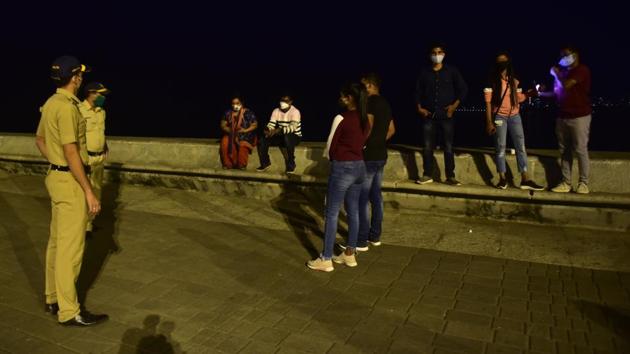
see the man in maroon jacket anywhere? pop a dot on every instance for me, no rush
(572, 88)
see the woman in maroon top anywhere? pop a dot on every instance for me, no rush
(347, 171)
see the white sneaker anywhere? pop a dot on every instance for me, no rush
(424, 180)
(343, 258)
(563, 187)
(582, 188)
(320, 264)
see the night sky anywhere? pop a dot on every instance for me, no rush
(172, 68)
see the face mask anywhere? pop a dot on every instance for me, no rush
(99, 101)
(437, 59)
(284, 106)
(567, 60)
(236, 107)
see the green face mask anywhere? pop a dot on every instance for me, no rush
(99, 101)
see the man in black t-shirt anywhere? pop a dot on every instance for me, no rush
(375, 156)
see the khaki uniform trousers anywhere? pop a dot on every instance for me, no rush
(66, 243)
(97, 167)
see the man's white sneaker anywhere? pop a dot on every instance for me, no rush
(563, 187)
(582, 188)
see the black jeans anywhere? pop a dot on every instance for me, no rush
(288, 141)
(431, 128)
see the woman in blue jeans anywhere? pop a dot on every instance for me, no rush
(503, 98)
(347, 171)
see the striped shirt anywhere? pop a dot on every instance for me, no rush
(289, 122)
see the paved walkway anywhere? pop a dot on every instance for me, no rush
(188, 272)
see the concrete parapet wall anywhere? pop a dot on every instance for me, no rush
(609, 171)
(194, 164)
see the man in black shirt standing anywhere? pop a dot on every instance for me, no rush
(375, 156)
(439, 91)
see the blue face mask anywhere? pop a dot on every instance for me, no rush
(99, 101)
(567, 60)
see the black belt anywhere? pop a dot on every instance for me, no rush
(67, 169)
(96, 153)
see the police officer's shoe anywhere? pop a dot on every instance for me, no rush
(52, 308)
(85, 319)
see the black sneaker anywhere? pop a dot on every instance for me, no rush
(52, 308)
(290, 171)
(85, 319)
(263, 168)
(531, 186)
(453, 182)
(502, 184)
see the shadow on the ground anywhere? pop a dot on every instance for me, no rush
(100, 243)
(154, 337)
(262, 261)
(618, 319)
(294, 204)
(18, 233)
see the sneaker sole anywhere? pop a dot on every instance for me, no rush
(527, 188)
(264, 169)
(341, 261)
(582, 192)
(561, 191)
(423, 183)
(502, 187)
(377, 243)
(327, 270)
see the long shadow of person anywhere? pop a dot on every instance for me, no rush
(150, 338)
(408, 157)
(553, 173)
(479, 159)
(23, 247)
(102, 242)
(258, 269)
(294, 206)
(616, 319)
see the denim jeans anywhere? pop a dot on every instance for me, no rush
(513, 125)
(371, 192)
(344, 184)
(573, 138)
(430, 128)
(288, 141)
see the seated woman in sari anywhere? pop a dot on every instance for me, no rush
(239, 135)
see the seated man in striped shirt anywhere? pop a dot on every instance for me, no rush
(284, 130)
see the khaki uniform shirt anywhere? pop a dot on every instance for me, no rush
(95, 126)
(61, 123)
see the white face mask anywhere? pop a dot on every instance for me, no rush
(567, 60)
(284, 106)
(236, 107)
(437, 59)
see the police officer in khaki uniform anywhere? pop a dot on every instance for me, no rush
(61, 140)
(92, 110)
